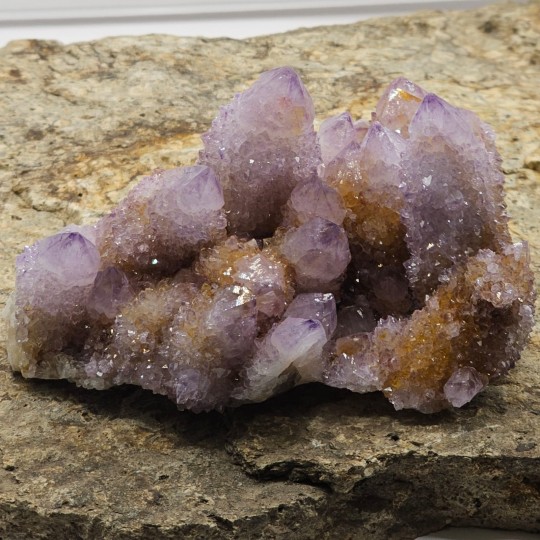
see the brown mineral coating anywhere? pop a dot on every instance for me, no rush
(82, 122)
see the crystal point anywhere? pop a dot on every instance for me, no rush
(319, 252)
(69, 257)
(164, 221)
(337, 133)
(463, 385)
(261, 145)
(398, 105)
(111, 289)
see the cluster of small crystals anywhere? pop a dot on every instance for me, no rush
(373, 256)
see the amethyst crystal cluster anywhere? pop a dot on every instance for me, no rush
(368, 256)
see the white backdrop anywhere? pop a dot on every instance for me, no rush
(80, 20)
(53, 9)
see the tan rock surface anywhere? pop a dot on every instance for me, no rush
(80, 124)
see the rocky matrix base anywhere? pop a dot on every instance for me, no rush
(358, 468)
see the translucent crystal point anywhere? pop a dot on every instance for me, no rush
(337, 133)
(453, 199)
(319, 253)
(313, 199)
(110, 291)
(398, 105)
(164, 221)
(261, 145)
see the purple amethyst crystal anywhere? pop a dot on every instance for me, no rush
(245, 264)
(315, 306)
(399, 104)
(453, 194)
(291, 353)
(54, 279)
(110, 291)
(267, 280)
(164, 221)
(337, 133)
(374, 256)
(260, 146)
(313, 199)
(463, 385)
(319, 253)
(68, 258)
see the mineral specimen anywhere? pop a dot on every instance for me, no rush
(368, 256)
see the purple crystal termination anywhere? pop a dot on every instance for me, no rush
(369, 256)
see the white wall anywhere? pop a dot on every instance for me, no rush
(80, 20)
(58, 9)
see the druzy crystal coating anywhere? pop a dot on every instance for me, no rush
(373, 256)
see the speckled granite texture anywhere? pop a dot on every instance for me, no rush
(80, 124)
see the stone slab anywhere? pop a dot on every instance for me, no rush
(80, 124)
